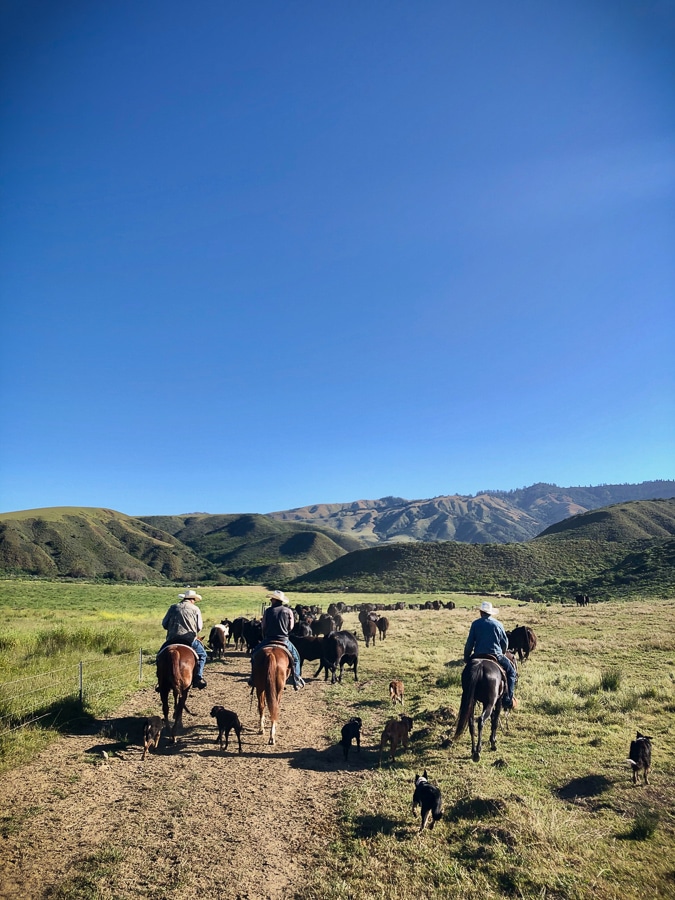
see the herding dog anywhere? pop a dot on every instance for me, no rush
(152, 733)
(396, 732)
(428, 797)
(396, 692)
(640, 757)
(227, 720)
(351, 731)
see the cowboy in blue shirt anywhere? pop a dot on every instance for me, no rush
(487, 635)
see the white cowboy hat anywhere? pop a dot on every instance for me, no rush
(488, 608)
(190, 595)
(279, 595)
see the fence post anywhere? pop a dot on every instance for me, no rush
(81, 682)
(140, 664)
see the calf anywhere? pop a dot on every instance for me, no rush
(152, 733)
(227, 720)
(382, 626)
(522, 641)
(218, 639)
(396, 731)
(396, 692)
(640, 757)
(351, 732)
(369, 628)
(340, 648)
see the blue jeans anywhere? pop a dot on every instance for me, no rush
(511, 675)
(289, 645)
(198, 647)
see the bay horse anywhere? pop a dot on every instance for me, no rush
(483, 681)
(176, 664)
(271, 669)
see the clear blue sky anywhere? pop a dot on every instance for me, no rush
(262, 255)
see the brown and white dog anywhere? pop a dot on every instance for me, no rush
(396, 732)
(640, 757)
(396, 692)
(152, 733)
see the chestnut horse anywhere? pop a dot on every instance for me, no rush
(271, 668)
(483, 681)
(175, 668)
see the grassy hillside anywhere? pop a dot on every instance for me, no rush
(255, 548)
(619, 551)
(80, 542)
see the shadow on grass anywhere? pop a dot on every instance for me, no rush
(475, 808)
(368, 826)
(584, 789)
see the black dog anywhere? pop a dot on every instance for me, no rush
(351, 731)
(227, 720)
(429, 798)
(151, 733)
(640, 757)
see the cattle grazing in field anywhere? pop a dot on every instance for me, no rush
(428, 797)
(351, 731)
(450, 605)
(340, 648)
(369, 628)
(582, 599)
(227, 721)
(308, 647)
(152, 732)
(382, 626)
(640, 757)
(218, 640)
(522, 641)
(396, 692)
(238, 632)
(396, 732)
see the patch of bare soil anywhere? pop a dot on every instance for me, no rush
(189, 821)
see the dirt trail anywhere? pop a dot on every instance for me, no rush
(187, 822)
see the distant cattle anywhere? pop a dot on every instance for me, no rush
(522, 641)
(238, 632)
(582, 599)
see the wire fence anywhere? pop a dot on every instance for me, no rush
(33, 698)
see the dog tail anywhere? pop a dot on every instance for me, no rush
(631, 762)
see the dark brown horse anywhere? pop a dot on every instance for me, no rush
(175, 668)
(271, 668)
(483, 681)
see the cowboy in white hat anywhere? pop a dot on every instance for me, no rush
(183, 622)
(487, 635)
(277, 623)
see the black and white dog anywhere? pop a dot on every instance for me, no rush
(428, 797)
(351, 731)
(640, 757)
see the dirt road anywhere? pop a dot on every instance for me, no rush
(189, 821)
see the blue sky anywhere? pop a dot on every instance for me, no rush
(258, 256)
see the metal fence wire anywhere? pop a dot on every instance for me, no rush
(26, 700)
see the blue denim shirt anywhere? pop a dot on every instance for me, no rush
(486, 635)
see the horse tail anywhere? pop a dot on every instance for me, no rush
(175, 668)
(470, 677)
(271, 687)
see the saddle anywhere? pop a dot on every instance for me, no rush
(274, 643)
(491, 657)
(176, 644)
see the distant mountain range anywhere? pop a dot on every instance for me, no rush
(621, 549)
(503, 517)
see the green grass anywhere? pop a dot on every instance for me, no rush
(553, 813)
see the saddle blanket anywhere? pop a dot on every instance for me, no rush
(178, 645)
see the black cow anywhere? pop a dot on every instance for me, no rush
(238, 632)
(308, 647)
(252, 634)
(340, 648)
(323, 625)
(369, 628)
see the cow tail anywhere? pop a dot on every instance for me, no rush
(468, 700)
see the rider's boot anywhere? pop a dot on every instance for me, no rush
(198, 682)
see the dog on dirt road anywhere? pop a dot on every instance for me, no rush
(351, 731)
(640, 757)
(428, 797)
(396, 732)
(151, 733)
(227, 721)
